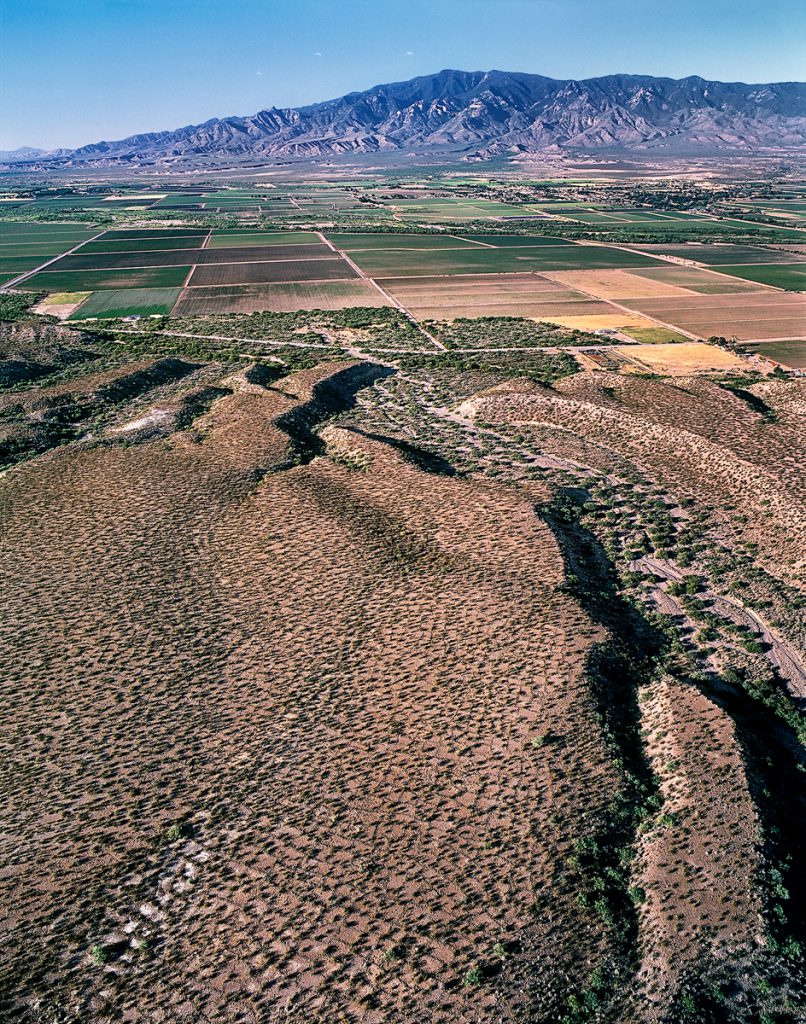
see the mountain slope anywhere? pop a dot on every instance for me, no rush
(494, 113)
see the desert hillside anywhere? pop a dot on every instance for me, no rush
(351, 690)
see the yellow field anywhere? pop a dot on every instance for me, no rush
(629, 323)
(61, 304)
(63, 298)
(615, 284)
(679, 359)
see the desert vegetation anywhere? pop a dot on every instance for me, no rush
(426, 658)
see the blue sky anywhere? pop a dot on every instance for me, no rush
(77, 71)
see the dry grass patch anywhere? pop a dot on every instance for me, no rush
(614, 284)
(61, 304)
(681, 359)
(610, 319)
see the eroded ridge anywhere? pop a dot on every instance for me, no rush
(282, 747)
(377, 695)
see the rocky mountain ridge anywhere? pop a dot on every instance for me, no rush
(491, 114)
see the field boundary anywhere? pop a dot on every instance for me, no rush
(395, 302)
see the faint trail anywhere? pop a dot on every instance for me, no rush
(781, 655)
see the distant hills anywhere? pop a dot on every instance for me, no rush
(25, 153)
(477, 115)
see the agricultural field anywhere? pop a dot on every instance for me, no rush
(424, 273)
(143, 260)
(661, 280)
(60, 304)
(446, 210)
(494, 260)
(280, 297)
(96, 280)
(225, 239)
(23, 247)
(716, 255)
(115, 302)
(330, 268)
(144, 244)
(477, 295)
(748, 315)
(790, 276)
(361, 241)
(790, 353)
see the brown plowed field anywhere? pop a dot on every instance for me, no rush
(280, 297)
(528, 295)
(536, 309)
(767, 314)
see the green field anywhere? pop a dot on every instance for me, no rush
(152, 233)
(180, 199)
(791, 276)
(513, 241)
(30, 231)
(94, 280)
(786, 205)
(33, 254)
(790, 353)
(356, 242)
(223, 239)
(613, 218)
(127, 302)
(716, 255)
(385, 263)
(19, 264)
(453, 209)
(110, 245)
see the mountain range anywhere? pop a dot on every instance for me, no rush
(478, 115)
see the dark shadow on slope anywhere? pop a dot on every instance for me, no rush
(329, 396)
(616, 669)
(428, 462)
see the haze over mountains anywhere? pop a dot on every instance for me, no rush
(478, 115)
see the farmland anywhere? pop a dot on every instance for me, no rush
(280, 297)
(430, 247)
(788, 353)
(498, 260)
(91, 280)
(127, 302)
(581, 286)
(791, 276)
(717, 255)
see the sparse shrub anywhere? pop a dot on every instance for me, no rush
(473, 976)
(98, 955)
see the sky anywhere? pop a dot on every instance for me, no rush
(78, 71)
